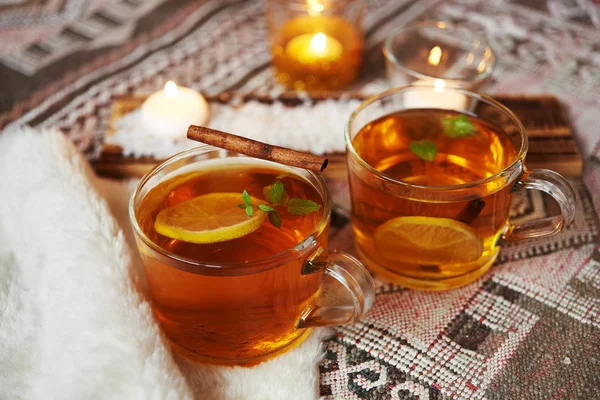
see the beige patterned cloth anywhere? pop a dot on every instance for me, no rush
(529, 329)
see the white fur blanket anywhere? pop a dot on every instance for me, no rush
(73, 323)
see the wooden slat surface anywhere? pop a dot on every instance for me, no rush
(551, 141)
(552, 144)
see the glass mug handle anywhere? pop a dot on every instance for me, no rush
(346, 294)
(556, 186)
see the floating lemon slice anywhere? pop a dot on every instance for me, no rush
(428, 241)
(210, 218)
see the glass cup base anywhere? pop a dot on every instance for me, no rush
(434, 285)
(241, 362)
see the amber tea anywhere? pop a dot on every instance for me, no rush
(432, 174)
(230, 317)
(435, 238)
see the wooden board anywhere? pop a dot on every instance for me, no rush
(552, 144)
(551, 141)
(112, 162)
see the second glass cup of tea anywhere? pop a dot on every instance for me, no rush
(432, 175)
(230, 281)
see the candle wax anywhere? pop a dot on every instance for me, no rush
(310, 48)
(435, 97)
(168, 113)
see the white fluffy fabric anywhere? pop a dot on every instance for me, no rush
(74, 323)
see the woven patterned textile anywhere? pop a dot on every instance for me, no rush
(528, 329)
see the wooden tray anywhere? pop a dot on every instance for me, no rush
(551, 141)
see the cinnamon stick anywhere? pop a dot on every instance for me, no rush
(254, 148)
(470, 211)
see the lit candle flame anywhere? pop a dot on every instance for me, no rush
(439, 85)
(171, 90)
(314, 48)
(435, 55)
(314, 7)
(470, 58)
(318, 42)
(484, 61)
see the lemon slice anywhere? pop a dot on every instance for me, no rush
(209, 218)
(428, 241)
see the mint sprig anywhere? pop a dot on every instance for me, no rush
(274, 193)
(265, 208)
(302, 206)
(425, 149)
(458, 127)
(275, 219)
(247, 203)
(278, 197)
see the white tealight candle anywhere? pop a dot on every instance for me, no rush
(436, 98)
(169, 112)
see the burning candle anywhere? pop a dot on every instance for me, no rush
(310, 48)
(316, 44)
(436, 98)
(169, 112)
(435, 54)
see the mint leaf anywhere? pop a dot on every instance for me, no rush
(275, 219)
(425, 149)
(302, 206)
(274, 192)
(284, 199)
(265, 208)
(246, 198)
(458, 127)
(249, 211)
(242, 206)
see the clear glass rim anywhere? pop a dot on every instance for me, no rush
(261, 263)
(442, 26)
(506, 171)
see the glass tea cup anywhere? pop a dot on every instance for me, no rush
(242, 312)
(431, 208)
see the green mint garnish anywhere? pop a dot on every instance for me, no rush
(246, 198)
(458, 127)
(278, 197)
(247, 203)
(302, 206)
(275, 219)
(274, 192)
(265, 208)
(425, 149)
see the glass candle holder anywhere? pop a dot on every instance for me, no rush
(316, 44)
(434, 53)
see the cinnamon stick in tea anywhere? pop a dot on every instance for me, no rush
(470, 211)
(254, 148)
